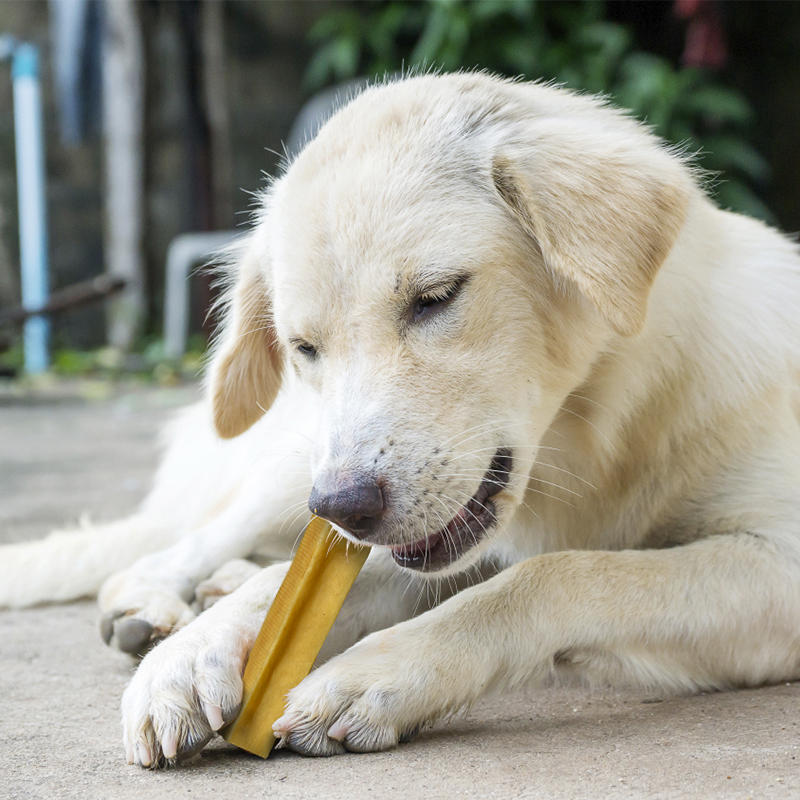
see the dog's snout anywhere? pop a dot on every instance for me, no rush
(356, 507)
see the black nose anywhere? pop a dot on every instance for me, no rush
(356, 507)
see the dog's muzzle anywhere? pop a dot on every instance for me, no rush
(472, 522)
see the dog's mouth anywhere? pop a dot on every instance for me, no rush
(472, 522)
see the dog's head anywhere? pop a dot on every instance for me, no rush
(443, 263)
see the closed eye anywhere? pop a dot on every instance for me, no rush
(304, 348)
(435, 300)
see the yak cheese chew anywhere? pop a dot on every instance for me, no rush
(293, 632)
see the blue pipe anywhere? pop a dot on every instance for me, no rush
(29, 139)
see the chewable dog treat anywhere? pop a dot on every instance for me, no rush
(294, 630)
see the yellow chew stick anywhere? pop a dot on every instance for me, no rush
(294, 630)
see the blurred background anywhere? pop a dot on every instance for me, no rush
(161, 119)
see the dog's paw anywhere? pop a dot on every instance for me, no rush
(370, 698)
(183, 691)
(137, 612)
(224, 581)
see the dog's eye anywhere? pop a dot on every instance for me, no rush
(308, 350)
(435, 300)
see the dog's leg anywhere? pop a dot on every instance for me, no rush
(196, 471)
(250, 495)
(147, 602)
(190, 684)
(716, 613)
(74, 563)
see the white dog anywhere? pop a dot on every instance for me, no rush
(498, 331)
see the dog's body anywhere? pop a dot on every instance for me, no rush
(527, 344)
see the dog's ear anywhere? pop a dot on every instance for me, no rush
(604, 217)
(247, 366)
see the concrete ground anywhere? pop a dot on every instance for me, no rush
(64, 452)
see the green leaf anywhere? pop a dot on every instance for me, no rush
(522, 55)
(337, 61)
(736, 196)
(73, 362)
(433, 37)
(337, 23)
(722, 104)
(487, 10)
(732, 153)
(611, 39)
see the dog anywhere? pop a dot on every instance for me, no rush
(497, 331)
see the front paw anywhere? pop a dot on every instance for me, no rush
(377, 694)
(139, 612)
(183, 691)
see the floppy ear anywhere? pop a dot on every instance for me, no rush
(246, 370)
(605, 216)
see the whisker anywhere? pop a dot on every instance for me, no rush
(299, 533)
(491, 448)
(464, 506)
(475, 435)
(266, 327)
(567, 472)
(474, 473)
(532, 510)
(482, 425)
(551, 496)
(589, 400)
(295, 507)
(448, 536)
(591, 425)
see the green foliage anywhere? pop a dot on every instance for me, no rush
(12, 358)
(568, 42)
(108, 363)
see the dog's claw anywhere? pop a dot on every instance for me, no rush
(169, 746)
(133, 635)
(107, 625)
(138, 612)
(214, 716)
(145, 756)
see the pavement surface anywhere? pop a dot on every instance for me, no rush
(66, 451)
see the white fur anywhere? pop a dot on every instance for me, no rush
(634, 346)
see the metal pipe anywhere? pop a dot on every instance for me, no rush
(29, 140)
